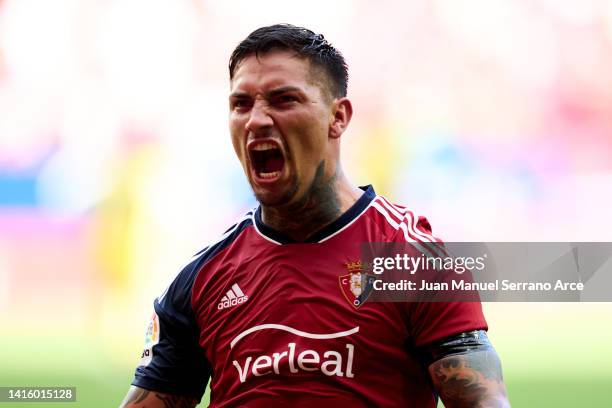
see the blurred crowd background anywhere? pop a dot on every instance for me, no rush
(491, 117)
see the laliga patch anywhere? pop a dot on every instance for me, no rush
(151, 339)
(356, 287)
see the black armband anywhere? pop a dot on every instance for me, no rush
(462, 343)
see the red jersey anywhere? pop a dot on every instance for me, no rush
(272, 323)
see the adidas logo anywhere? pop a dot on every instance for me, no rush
(233, 297)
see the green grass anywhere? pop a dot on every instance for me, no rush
(91, 391)
(557, 393)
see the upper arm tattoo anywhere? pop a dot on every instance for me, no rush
(473, 379)
(139, 397)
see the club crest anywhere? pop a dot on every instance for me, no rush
(356, 286)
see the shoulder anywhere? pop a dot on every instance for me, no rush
(179, 291)
(408, 225)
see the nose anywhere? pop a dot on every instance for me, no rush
(259, 119)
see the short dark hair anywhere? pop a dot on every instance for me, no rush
(305, 43)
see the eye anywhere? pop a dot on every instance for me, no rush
(241, 104)
(284, 99)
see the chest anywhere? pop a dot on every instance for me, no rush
(292, 306)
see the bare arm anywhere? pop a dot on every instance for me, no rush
(472, 379)
(140, 398)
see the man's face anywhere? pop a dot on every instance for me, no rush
(279, 123)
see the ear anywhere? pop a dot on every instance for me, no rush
(342, 111)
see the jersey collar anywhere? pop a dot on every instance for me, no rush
(327, 232)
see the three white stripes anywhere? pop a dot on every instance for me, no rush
(408, 224)
(233, 293)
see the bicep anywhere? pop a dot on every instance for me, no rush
(466, 371)
(473, 379)
(139, 397)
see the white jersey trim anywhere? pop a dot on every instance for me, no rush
(405, 213)
(261, 233)
(320, 241)
(347, 225)
(408, 226)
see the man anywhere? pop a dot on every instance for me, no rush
(271, 312)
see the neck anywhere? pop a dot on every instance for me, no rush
(324, 202)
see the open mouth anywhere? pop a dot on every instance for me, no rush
(267, 160)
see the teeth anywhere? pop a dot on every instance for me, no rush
(269, 175)
(264, 146)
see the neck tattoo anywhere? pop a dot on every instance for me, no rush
(317, 208)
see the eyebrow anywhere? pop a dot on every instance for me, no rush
(284, 89)
(274, 92)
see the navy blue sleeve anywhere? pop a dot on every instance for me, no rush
(173, 361)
